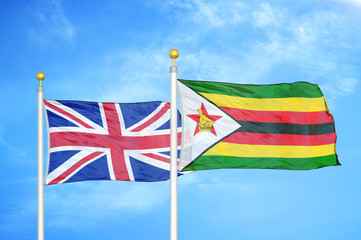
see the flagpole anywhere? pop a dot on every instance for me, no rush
(173, 148)
(40, 76)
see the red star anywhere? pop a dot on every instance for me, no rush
(196, 117)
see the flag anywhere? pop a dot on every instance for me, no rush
(108, 141)
(280, 126)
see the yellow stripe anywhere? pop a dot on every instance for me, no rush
(296, 104)
(246, 150)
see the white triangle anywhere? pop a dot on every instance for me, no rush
(194, 142)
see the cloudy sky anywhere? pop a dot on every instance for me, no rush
(118, 51)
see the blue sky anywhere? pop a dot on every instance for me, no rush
(118, 51)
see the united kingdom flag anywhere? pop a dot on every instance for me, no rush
(108, 141)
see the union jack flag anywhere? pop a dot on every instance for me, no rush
(108, 141)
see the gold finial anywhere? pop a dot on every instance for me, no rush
(40, 76)
(173, 54)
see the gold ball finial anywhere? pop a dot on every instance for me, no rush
(173, 54)
(40, 76)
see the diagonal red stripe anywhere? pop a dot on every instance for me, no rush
(52, 106)
(162, 111)
(157, 157)
(73, 168)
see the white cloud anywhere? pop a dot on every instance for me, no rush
(218, 15)
(304, 34)
(214, 14)
(336, 88)
(348, 85)
(52, 24)
(135, 76)
(121, 75)
(353, 2)
(268, 16)
(306, 41)
(208, 65)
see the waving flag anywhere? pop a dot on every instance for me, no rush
(108, 141)
(281, 126)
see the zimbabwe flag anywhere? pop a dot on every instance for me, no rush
(280, 126)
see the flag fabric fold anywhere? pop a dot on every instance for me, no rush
(108, 141)
(280, 126)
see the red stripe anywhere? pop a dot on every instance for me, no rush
(52, 106)
(112, 118)
(157, 157)
(162, 111)
(115, 133)
(279, 116)
(280, 139)
(62, 139)
(75, 167)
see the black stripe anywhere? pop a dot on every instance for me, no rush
(286, 128)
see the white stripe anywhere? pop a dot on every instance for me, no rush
(148, 117)
(129, 166)
(74, 113)
(78, 129)
(158, 123)
(104, 120)
(162, 155)
(110, 166)
(154, 150)
(100, 130)
(79, 148)
(63, 116)
(121, 119)
(69, 163)
(150, 130)
(151, 161)
(81, 167)
(87, 149)
(149, 133)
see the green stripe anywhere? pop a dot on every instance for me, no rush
(285, 90)
(218, 162)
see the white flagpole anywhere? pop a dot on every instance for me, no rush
(173, 148)
(40, 76)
